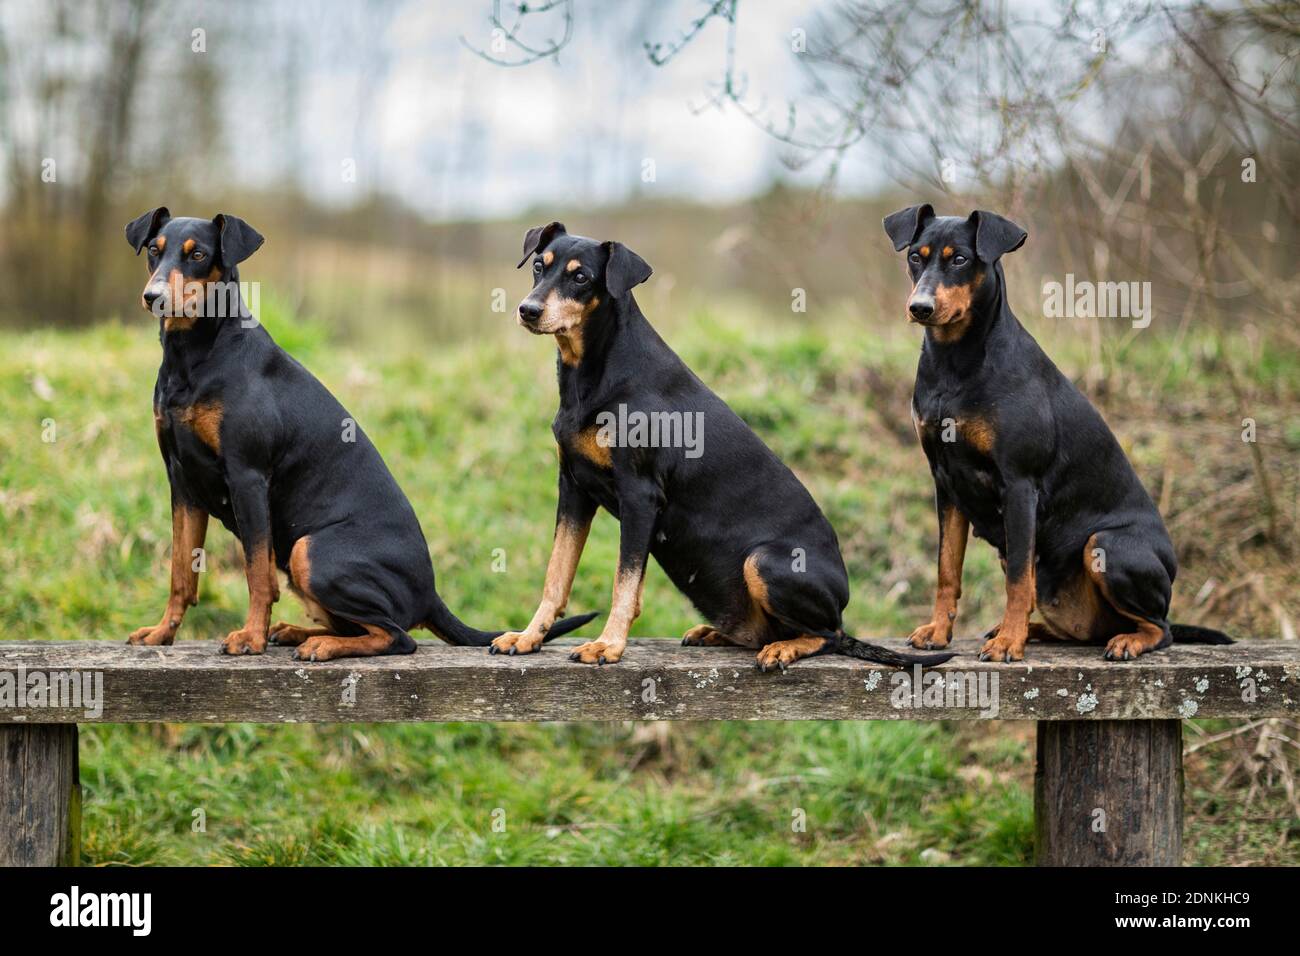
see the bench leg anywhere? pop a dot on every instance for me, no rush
(1109, 793)
(40, 795)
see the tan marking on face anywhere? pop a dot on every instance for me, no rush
(952, 310)
(564, 316)
(925, 251)
(204, 419)
(187, 247)
(573, 265)
(548, 257)
(979, 433)
(589, 447)
(161, 243)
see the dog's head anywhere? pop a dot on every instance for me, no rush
(572, 277)
(950, 261)
(185, 257)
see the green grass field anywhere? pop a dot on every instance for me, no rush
(84, 540)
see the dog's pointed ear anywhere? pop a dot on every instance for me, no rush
(140, 230)
(624, 269)
(995, 235)
(238, 241)
(538, 238)
(904, 226)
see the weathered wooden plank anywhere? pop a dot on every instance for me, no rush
(1109, 793)
(657, 679)
(40, 795)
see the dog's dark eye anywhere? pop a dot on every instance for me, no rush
(914, 257)
(197, 257)
(959, 260)
(580, 277)
(153, 251)
(537, 266)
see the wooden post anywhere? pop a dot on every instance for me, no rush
(1109, 793)
(40, 795)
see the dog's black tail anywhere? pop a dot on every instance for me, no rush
(841, 643)
(1191, 634)
(455, 631)
(852, 647)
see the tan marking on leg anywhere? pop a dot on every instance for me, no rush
(328, 647)
(784, 653)
(1126, 646)
(1009, 637)
(705, 635)
(189, 528)
(204, 420)
(570, 539)
(251, 638)
(625, 608)
(284, 634)
(953, 532)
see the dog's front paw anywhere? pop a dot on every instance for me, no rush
(243, 641)
(932, 636)
(157, 636)
(1004, 644)
(515, 642)
(597, 652)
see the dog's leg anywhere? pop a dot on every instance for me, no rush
(1134, 581)
(706, 635)
(249, 492)
(1019, 513)
(189, 529)
(639, 503)
(573, 517)
(953, 531)
(376, 640)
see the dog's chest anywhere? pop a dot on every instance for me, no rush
(190, 435)
(960, 441)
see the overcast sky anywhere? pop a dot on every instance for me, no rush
(455, 135)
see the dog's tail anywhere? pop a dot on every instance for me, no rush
(852, 647)
(1191, 634)
(455, 631)
(841, 643)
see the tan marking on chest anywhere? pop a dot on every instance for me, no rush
(979, 434)
(204, 420)
(589, 447)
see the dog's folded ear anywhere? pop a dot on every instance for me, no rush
(904, 226)
(995, 235)
(142, 229)
(239, 240)
(538, 238)
(624, 269)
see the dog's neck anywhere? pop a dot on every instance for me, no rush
(582, 360)
(189, 342)
(990, 313)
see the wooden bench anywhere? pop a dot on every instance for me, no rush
(1108, 784)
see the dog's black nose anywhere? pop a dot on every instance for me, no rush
(529, 311)
(920, 309)
(151, 296)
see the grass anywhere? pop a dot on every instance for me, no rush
(85, 531)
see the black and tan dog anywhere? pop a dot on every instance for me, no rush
(729, 523)
(250, 436)
(1021, 456)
